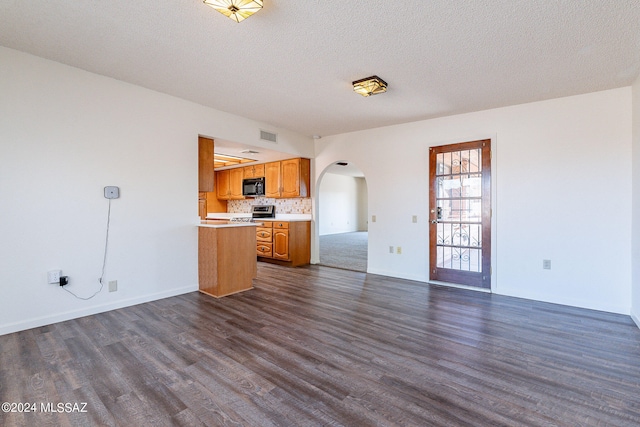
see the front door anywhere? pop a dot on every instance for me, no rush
(460, 213)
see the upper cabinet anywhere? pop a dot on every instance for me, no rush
(272, 179)
(295, 178)
(205, 164)
(229, 184)
(287, 178)
(253, 171)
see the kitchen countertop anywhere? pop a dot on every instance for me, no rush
(225, 224)
(279, 217)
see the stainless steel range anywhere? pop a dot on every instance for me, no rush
(263, 211)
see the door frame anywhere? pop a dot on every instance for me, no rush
(482, 281)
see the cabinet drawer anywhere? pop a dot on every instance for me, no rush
(264, 249)
(265, 224)
(264, 234)
(280, 225)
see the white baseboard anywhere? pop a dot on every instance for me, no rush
(397, 275)
(571, 302)
(74, 314)
(455, 285)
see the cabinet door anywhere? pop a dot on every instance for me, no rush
(254, 171)
(281, 244)
(290, 170)
(202, 205)
(272, 179)
(258, 171)
(249, 171)
(235, 183)
(205, 164)
(222, 185)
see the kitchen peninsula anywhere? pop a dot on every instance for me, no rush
(226, 257)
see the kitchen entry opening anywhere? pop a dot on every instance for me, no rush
(342, 217)
(460, 213)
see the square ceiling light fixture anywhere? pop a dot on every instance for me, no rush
(370, 86)
(238, 10)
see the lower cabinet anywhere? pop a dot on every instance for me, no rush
(284, 242)
(281, 240)
(264, 240)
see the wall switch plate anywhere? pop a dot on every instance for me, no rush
(546, 264)
(111, 192)
(373, 218)
(113, 285)
(414, 219)
(390, 249)
(399, 250)
(53, 276)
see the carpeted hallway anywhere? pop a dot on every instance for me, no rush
(345, 250)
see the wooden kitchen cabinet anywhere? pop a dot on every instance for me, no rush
(202, 205)
(287, 178)
(235, 183)
(205, 164)
(253, 171)
(226, 263)
(295, 178)
(272, 179)
(222, 185)
(281, 240)
(264, 240)
(229, 184)
(284, 242)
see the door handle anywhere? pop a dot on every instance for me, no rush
(434, 221)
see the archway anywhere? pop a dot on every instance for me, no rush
(343, 217)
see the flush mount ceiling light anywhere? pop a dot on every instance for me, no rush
(370, 86)
(238, 10)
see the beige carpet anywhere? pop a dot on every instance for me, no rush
(345, 250)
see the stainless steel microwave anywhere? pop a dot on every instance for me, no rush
(253, 187)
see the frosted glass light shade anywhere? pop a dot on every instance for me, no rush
(238, 10)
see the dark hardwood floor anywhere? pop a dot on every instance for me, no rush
(319, 346)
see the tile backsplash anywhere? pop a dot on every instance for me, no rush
(294, 205)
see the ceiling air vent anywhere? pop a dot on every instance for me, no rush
(268, 136)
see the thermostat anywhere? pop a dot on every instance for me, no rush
(111, 192)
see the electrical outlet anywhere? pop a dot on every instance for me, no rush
(414, 219)
(53, 276)
(390, 249)
(373, 218)
(546, 264)
(113, 285)
(399, 250)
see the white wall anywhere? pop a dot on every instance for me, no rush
(64, 135)
(342, 203)
(561, 174)
(362, 194)
(635, 302)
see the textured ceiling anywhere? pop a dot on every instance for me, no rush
(291, 65)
